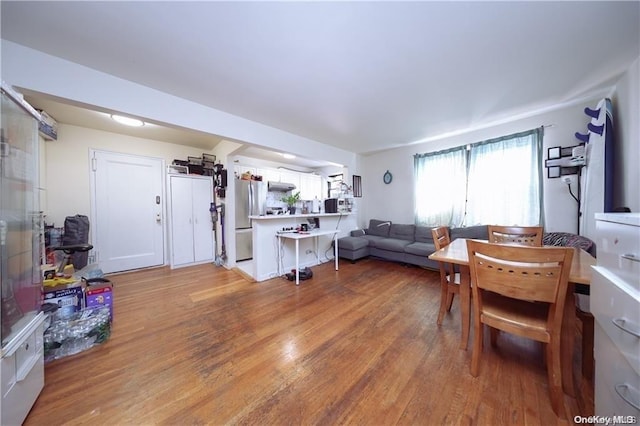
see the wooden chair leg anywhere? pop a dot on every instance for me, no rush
(449, 300)
(554, 373)
(493, 333)
(587, 343)
(477, 347)
(443, 303)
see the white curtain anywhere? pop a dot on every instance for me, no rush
(504, 185)
(494, 182)
(440, 188)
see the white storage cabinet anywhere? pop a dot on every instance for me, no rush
(22, 351)
(615, 304)
(191, 228)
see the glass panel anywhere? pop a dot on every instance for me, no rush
(20, 220)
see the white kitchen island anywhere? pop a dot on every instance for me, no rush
(273, 257)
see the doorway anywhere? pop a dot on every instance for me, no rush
(127, 211)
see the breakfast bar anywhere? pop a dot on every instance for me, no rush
(272, 256)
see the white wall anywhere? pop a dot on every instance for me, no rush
(30, 69)
(66, 165)
(395, 201)
(626, 109)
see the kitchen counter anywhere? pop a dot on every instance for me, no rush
(272, 257)
(293, 216)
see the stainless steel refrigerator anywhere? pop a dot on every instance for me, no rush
(250, 199)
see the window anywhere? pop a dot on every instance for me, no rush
(334, 186)
(496, 181)
(441, 181)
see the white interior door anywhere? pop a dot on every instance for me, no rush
(181, 220)
(202, 226)
(127, 211)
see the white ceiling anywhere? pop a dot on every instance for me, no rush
(362, 76)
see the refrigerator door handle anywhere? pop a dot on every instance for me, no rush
(250, 209)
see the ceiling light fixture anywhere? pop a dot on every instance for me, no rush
(289, 156)
(127, 121)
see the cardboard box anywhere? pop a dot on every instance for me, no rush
(69, 298)
(48, 127)
(101, 295)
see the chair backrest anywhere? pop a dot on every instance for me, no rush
(521, 235)
(441, 237)
(520, 272)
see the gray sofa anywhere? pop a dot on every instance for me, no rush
(406, 243)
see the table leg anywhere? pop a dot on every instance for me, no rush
(278, 255)
(465, 305)
(567, 341)
(335, 249)
(297, 262)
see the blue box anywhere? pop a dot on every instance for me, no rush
(69, 299)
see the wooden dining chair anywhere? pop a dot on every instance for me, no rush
(449, 278)
(522, 235)
(507, 280)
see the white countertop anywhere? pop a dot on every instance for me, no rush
(289, 216)
(626, 218)
(307, 234)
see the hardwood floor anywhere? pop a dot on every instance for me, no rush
(203, 345)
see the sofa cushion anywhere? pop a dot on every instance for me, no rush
(357, 233)
(423, 234)
(379, 227)
(480, 232)
(352, 243)
(392, 244)
(402, 232)
(373, 239)
(420, 249)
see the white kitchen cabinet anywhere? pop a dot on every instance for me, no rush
(191, 228)
(310, 187)
(615, 304)
(269, 175)
(290, 177)
(23, 373)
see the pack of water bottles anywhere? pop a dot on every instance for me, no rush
(78, 332)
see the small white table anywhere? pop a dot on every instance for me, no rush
(297, 236)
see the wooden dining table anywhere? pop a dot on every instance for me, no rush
(456, 253)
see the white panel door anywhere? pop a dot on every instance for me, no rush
(202, 190)
(181, 220)
(127, 211)
(191, 227)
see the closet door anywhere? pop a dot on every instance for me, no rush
(202, 190)
(181, 221)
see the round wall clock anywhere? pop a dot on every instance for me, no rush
(387, 178)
